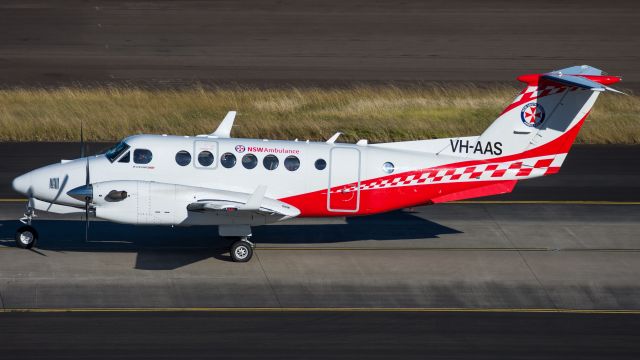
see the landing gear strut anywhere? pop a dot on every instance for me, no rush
(242, 250)
(26, 236)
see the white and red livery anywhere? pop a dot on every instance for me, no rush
(238, 183)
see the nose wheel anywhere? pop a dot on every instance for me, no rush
(242, 250)
(26, 237)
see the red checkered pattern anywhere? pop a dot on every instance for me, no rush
(505, 171)
(531, 93)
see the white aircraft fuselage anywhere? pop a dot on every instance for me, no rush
(238, 183)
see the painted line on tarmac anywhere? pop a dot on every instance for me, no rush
(302, 248)
(322, 309)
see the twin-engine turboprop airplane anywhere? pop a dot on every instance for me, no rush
(239, 183)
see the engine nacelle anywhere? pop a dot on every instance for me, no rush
(139, 202)
(151, 203)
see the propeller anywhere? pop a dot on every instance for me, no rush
(87, 183)
(87, 200)
(81, 140)
(84, 192)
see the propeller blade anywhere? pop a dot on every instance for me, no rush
(30, 197)
(87, 178)
(81, 140)
(87, 200)
(86, 226)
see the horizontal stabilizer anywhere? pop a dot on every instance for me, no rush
(579, 81)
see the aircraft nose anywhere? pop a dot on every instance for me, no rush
(22, 184)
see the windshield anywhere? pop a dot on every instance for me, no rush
(113, 153)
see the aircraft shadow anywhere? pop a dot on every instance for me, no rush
(166, 248)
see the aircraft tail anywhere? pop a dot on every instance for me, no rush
(544, 119)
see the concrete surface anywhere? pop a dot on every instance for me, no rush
(451, 255)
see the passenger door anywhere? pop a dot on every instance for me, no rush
(344, 180)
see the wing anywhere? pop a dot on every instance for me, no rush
(231, 202)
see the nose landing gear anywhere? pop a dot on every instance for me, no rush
(26, 236)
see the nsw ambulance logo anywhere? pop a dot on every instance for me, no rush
(240, 148)
(532, 114)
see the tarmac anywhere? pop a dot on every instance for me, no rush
(309, 43)
(495, 253)
(549, 271)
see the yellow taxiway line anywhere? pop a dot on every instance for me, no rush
(325, 309)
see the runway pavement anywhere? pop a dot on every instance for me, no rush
(447, 256)
(548, 278)
(327, 43)
(549, 252)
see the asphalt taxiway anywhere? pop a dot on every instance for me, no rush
(320, 335)
(554, 256)
(552, 273)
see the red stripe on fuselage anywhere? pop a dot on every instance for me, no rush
(376, 200)
(379, 200)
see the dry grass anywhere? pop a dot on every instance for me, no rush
(377, 113)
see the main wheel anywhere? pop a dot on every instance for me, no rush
(26, 237)
(241, 251)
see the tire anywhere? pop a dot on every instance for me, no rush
(241, 251)
(26, 237)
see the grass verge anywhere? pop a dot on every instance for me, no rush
(377, 113)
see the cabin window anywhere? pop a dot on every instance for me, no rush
(270, 162)
(142, 156)
(388, 167)
(292, 163)
(321, 164)
(228, 160)
(249, 161)
(183, 158)
(205, 158)
(126, 158)
(113, 153)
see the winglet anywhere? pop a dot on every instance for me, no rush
(255, 200)
(224, 129)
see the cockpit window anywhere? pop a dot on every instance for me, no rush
(142, 156)
(113, 153)
(125, 158)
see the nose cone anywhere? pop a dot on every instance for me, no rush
(22, 184)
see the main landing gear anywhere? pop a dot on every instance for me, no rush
(26, 235)
(242, 250)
